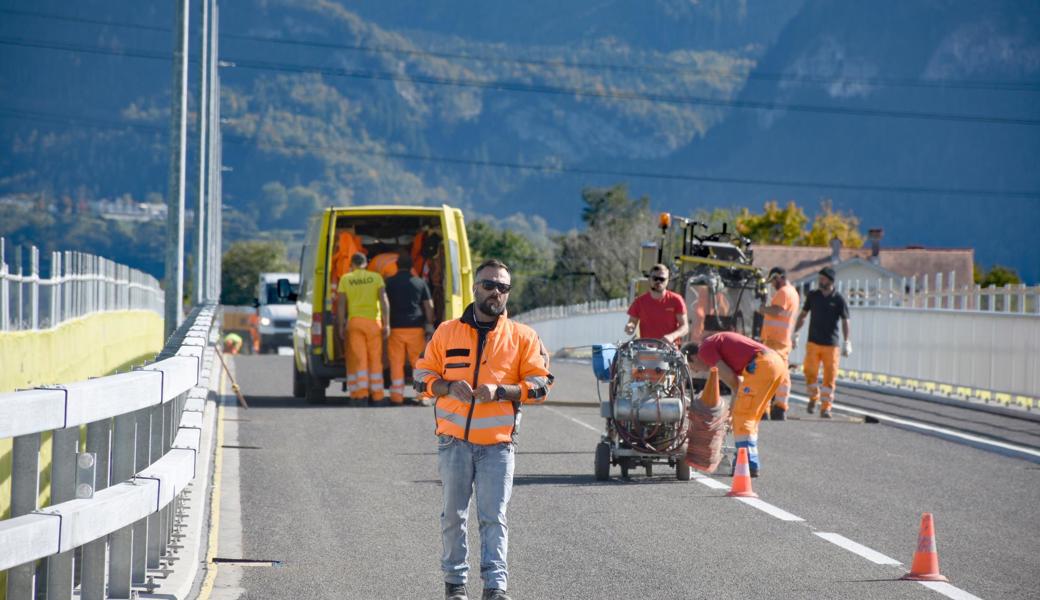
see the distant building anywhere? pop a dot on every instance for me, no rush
(869, 264)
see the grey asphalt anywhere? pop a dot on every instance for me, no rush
(349, 498)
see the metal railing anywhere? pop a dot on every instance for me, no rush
(561, 312)
(113, 507)
(940, 293)
(78, 284)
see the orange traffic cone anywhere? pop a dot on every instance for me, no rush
(742, 477)
(926, 558)
(710, 395)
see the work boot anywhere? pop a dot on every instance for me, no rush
(777, 413)
(754, 470)
(455, 591)
(812, 407)
(825, 414)
(495, 594)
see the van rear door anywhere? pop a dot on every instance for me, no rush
(453, 285)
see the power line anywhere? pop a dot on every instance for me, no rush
(559, 169)
(642, 69)
(546, 89)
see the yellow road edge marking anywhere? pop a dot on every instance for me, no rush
(214, 504)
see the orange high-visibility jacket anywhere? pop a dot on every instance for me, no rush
(509, 353)
(778, 328)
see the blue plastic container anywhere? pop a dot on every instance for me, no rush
(602, 356)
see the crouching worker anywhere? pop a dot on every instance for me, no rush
(508, 366)
(752, 371)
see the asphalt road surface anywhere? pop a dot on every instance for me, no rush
(347, 499)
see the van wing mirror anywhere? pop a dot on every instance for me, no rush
(285, 290)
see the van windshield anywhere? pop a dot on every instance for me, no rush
(272, 293)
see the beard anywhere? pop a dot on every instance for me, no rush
(490, 309)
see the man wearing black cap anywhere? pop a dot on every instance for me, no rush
(778, 322)
(827, 307)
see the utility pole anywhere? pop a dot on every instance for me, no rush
(201, 252)
(174, 310)
(215, 231)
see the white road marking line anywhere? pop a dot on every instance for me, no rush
(712, 483)
(950, 591)
(570, 418)
(769, 509)
(856, 548)
(938, 430)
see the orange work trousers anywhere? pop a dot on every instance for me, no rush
(828, 355)
(759, 382)
(365, 358)
(405, 343)
(784, 391)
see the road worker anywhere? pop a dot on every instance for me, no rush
(232, 343)
(384, 263)
(481, 368)
(361, 306)
(659, 313)
(347, 245)
(254, 331)
(826, 307)
(411, 322)
(751, 370)
(777, 325)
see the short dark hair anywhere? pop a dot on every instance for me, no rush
(404, 261)
(358, 259)
(661, 267)
(690, 349)
(491, 263)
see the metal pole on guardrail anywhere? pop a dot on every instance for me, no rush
(123, 467)
(174, 276)
(3, 285)
(34, 287)
(92, 585)
(63, 488)
(143, 457)
(25, 484)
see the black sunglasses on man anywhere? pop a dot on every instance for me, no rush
(488, 285)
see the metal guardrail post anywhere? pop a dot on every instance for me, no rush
(92, 584)
(63, 488)
(19, 323)
(122, 541)
(25, 482)
(4, 286)
(143, 459)
(155, 448)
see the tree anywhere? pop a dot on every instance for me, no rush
(242, 264)
(781, 226)
(830, 224)
(526, 260)
(997, 275)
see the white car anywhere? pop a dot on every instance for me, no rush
(277, 314)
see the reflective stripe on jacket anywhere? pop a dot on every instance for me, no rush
(508, 353)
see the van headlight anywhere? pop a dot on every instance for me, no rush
(265, 321)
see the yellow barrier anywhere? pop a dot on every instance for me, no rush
(90, 346)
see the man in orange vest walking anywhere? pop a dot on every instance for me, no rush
(411, 322)
(361, 308)
(481, 368)
(777, 326)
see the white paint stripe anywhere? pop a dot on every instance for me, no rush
(856, 548)
(938, 430)
(708, 481)
(570, 418)
(948, 590)
(769, 509)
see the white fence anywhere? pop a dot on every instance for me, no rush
(112, 507)
(79, 284)
(941, 292)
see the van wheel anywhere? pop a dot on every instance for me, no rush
(299, 383)
(315, 391)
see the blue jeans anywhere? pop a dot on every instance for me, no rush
(489, 469)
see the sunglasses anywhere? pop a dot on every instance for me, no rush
(659, 279)
(488, 285)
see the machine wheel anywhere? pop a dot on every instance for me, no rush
(299, 383)
(315, 391)
(682, 469)
(649, 469)
(602, 461)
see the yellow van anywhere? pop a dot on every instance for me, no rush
(435, 236)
